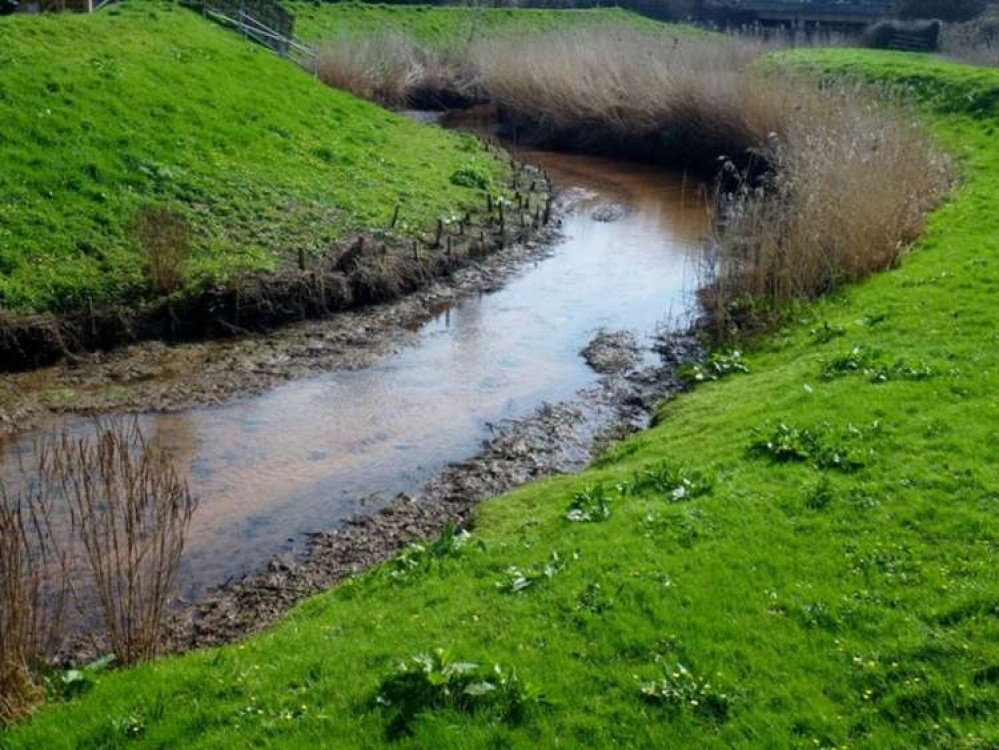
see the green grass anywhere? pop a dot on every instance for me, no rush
(443, 26)
(150, 104)
(852, 605)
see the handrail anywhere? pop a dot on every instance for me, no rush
(235, 13)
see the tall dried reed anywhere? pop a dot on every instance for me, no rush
(390, 68)
(821, 185)
(130, 512)
(849, 184)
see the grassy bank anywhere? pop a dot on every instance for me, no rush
(442, 26)
(826, 579)
(150, 105)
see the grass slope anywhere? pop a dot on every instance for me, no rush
(853, 605)
(442, 26)
(150, 104)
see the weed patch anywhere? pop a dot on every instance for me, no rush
(681, 690)
(435, 682)
(591, 505)
(824, 446)
(875, 367)
(718, 365)
(422, 557)
(516, 579)
(673, 482)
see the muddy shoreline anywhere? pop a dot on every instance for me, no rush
(560, 438)
(557, 438)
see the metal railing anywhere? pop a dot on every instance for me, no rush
(266, 23)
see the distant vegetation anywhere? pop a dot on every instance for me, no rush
(446, 26)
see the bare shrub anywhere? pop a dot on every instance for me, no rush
(165, 237)
(35, 578)
(130, 512)
(97, 520)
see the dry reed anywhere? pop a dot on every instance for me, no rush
(820, 185)
(34, 587)
(392, 69)
(130, 512)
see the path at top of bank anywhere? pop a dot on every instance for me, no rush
(832, 584)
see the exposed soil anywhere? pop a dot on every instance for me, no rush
(557, 438)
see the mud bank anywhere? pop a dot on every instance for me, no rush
(557, 439)
(366, 269)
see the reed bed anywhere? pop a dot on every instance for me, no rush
(818, 184)
(390, 68)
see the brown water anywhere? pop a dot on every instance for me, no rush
(309, 454)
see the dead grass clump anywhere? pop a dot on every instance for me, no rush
(165, 236)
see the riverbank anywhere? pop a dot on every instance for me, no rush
(162, 377)
(823, 577)
(148, 195)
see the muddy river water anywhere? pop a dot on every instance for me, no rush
(309, 454)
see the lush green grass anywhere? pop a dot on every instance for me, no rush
(443, 25)
(150, 104)
(850, 607)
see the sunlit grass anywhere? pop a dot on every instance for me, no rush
(797, 603)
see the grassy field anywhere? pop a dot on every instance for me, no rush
(149, 104)
(803, 555)
(443, 26)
